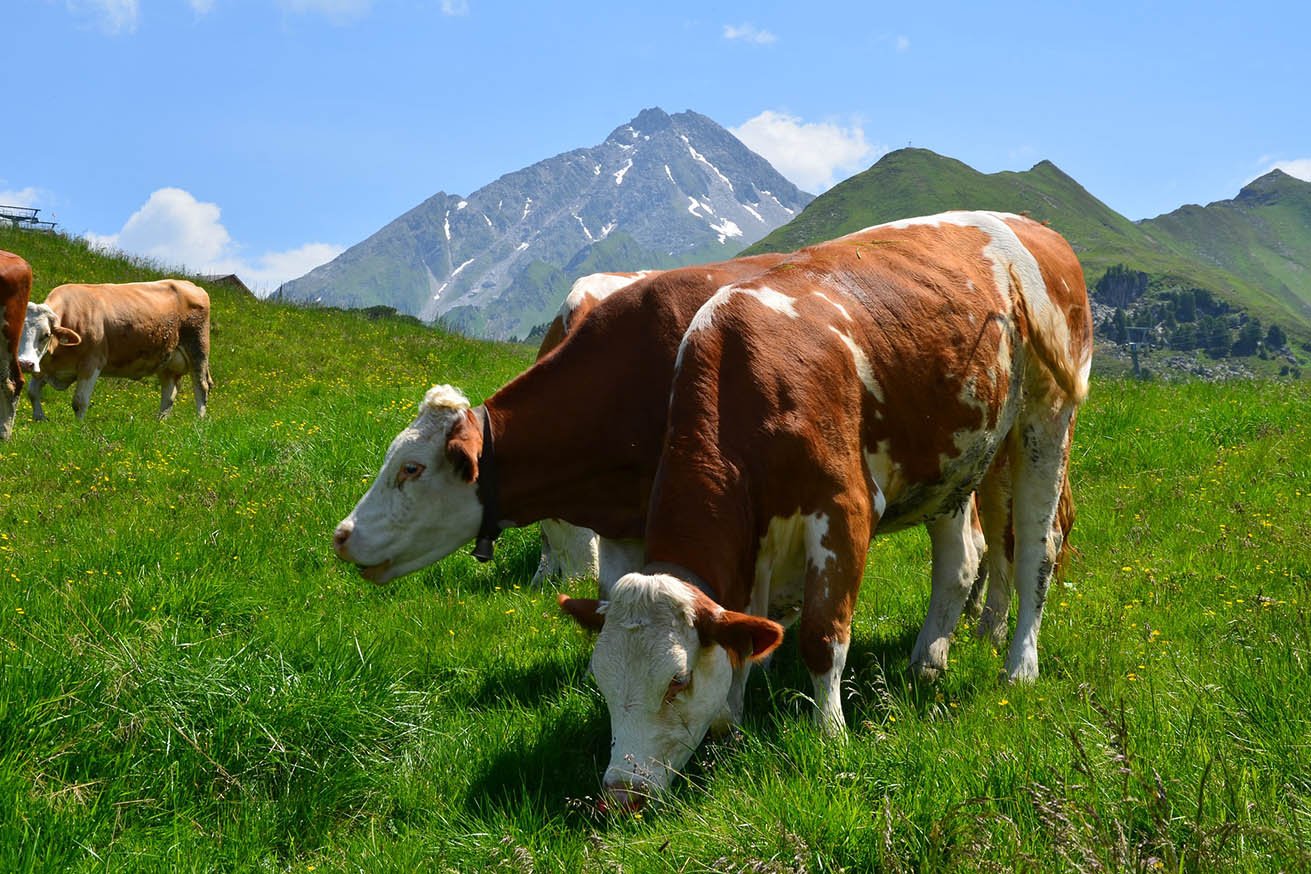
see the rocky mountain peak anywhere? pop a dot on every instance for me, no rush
(660, 191)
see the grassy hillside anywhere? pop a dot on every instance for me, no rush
(1262, 236)
(1253, 251)
(190, 682)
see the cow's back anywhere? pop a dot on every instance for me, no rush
(133, 329)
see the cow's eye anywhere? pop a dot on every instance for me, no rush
(409, 470)
(677, 685)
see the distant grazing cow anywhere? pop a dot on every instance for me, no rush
(15, 288)
(862, 386)
(570, 552)
(131, 330)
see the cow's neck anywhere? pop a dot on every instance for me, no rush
(565, 448)
(701, 519)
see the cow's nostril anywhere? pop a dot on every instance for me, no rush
(341, 535)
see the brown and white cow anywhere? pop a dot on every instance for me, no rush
(862, 386)
(576, 436)
(568, 551)
(132, 330)
(15, 288)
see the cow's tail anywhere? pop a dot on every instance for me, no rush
(1048, 334)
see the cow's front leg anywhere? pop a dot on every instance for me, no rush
(836, 543)
(86, 383)
(955, 564)
(168, 392)
(34, 386)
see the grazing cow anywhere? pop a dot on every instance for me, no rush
(570, 552)
(15, 288)
(543, 447)
(131, 330)
(862, 386)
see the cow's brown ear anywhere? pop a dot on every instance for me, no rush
(586, 611)
(745, 637)
(67, 336)
(463, 446)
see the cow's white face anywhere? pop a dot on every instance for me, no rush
(664, 661)
(41, 334)
(424, 503)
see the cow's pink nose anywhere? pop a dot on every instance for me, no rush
(339, 538)
(622, 798)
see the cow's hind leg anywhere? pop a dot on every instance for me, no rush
(955, 564)
(34, 386)
(974, 603)
(201, 383)
(1038, 472)
(86, 383)
(168, 392)
(995, 516)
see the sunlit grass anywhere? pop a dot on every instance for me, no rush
(190, 681)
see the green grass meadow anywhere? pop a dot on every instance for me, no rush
(189, 680)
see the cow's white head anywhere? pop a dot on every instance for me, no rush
(424, 503)
(42, 333)
(664, 660)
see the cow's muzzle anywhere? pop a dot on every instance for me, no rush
(27, 365)
(374, 573)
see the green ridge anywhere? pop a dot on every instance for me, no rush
(1253, 251)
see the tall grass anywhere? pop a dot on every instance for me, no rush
(189, 681)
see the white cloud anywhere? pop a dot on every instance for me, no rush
(336, 11)
(28, 196)
(749, 33)
(176, 229)
(1299, 168)
(455, 7)
(903, 43)
(811, 155)
(114, 16)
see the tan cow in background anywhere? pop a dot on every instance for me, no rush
(132, 330)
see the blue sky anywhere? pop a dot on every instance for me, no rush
(265, 136)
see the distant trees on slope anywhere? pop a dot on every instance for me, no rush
(1183, 319)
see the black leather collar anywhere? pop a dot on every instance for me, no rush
(489, 493)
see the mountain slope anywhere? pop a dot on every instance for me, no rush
(1251, 251)
(1262, 238)
(660, 191)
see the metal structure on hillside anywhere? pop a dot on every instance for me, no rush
(1136, 338)
(24, 218)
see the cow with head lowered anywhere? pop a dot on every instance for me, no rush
(862, 386)
(133, 330)
(15, 289)
(544, 446)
